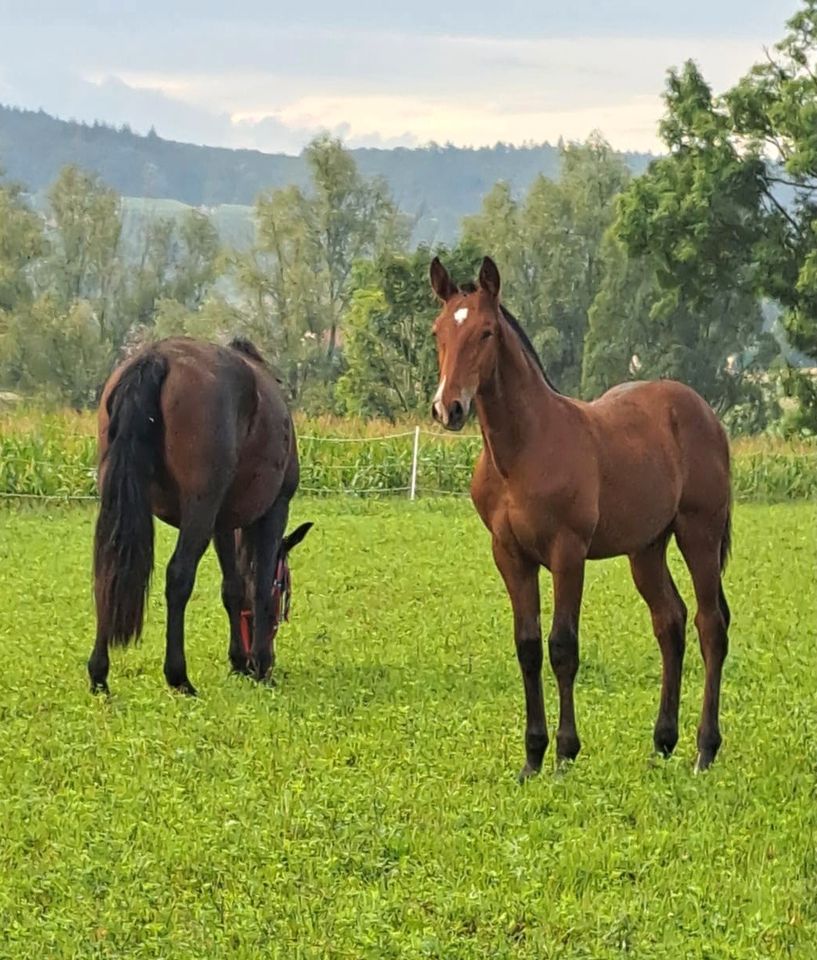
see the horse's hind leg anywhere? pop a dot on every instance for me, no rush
(98, 663)
(655, 584)
(699, 540)
(181, 575)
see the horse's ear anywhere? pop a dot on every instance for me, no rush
(489, 277)
(294, 538)
(441, 282)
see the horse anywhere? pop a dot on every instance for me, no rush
(200, 436)
(559, 482)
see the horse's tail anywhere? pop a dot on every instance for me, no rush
(726, 539)
(123, 545)
(726, 549)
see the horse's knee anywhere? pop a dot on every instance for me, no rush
(563, 647)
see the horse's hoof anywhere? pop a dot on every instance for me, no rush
(100, 686)
(703, 763)
(665, 740)
(186, 688)
(527, 772)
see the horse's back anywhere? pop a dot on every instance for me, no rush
(227, 431)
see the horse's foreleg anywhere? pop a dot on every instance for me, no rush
(567, 568)
(267, 532)
(522, 582)
(232, 594)
(181, 575)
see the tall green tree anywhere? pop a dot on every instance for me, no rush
(21, 245)
(549, 248)
(689, 227)
(297, 281)
(729, 216)
(84, 264)
(389, 351)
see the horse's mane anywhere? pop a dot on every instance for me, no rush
(247, 347)
(524, 339)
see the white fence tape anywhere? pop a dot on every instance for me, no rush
(411, 489)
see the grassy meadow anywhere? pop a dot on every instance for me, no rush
(366, 806)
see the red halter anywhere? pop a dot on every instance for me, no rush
(281, 595)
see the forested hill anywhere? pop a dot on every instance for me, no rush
(436, 185)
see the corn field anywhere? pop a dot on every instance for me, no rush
(54, 456)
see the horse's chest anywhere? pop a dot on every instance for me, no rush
(524, 527)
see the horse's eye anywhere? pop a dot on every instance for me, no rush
(485, 334)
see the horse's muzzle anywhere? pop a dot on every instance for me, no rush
(452, 416)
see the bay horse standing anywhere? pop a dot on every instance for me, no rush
(560, 482)
(199, 435)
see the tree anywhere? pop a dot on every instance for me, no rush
(197, 262)
(84, 264)
(180, 260)
(693, 222)
(391, 360)
(21, 243)
(730, 214)
(549, 250)
(297, 280)
(347, 217)
(57, 352)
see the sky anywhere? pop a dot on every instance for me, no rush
(270, 75)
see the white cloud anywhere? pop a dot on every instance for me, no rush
(380, 87)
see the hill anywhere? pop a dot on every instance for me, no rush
(435, 185)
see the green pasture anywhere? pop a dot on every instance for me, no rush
(366, 806)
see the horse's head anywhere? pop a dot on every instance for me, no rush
(281, 587)
(466, 333)
(282, 583)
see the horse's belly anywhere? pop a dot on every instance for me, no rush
(634, 516)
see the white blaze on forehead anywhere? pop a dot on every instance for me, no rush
(461, 315)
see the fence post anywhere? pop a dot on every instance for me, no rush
(414, 459)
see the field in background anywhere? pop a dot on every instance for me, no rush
(367, 806)
(54, 454)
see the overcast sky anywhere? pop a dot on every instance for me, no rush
(270, 75)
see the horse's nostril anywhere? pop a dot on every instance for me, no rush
(455, 413)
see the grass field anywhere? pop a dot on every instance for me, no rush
(367, 805)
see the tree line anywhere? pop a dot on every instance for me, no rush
(673, 273)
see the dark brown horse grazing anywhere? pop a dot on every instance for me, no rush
(560, 482)
(200, 436)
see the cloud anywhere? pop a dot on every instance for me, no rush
(241, 82)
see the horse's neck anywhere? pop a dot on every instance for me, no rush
(516, 406)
